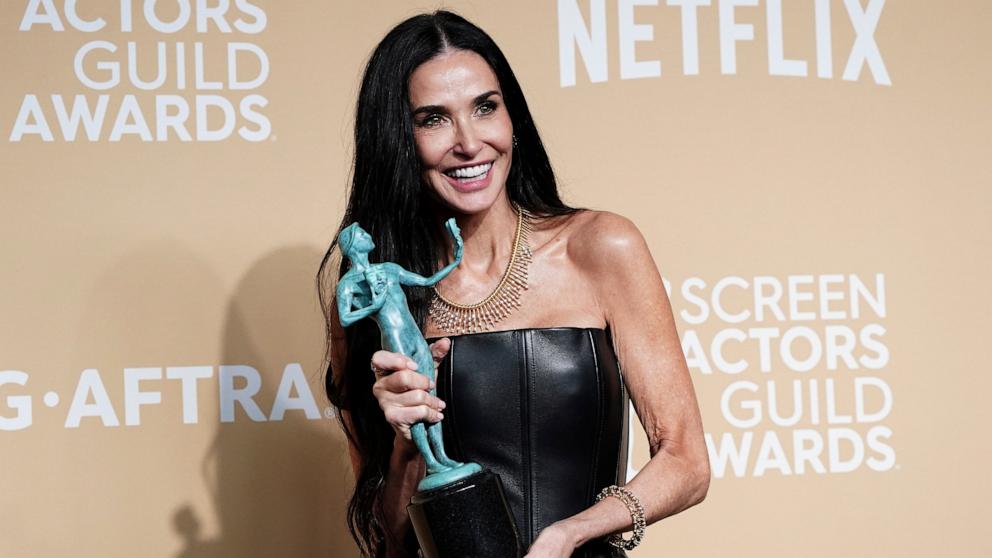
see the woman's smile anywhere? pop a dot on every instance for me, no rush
(469, 178)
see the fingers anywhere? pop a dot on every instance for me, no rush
(439, 349)
(403, 393)
(430, 414)
(417, 398)
(390, 362)
(407, 409)
(403, 381)
(402, 418)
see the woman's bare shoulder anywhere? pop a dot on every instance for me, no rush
(598, 238)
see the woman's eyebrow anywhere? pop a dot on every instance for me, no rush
(440, 109)
(484, 96)
(429, 109)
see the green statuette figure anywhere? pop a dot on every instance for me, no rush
(375, 291)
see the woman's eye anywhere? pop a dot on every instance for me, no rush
(431, 121)
(487, 107)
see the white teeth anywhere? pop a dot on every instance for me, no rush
(470, 172)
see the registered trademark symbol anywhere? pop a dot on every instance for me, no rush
(329, 412)
(51, 399)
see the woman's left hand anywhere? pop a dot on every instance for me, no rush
(555, 541)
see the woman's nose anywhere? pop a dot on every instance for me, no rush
(467, 142)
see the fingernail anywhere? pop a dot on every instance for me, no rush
(412, 365)
(440, 415)
(442, 404)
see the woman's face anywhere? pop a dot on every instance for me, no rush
(461, 128)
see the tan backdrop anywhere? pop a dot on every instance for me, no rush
(812, 176)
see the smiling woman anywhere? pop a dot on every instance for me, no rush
(548, 305)
(463, 133)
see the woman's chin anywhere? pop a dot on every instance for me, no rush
(467, 207)
(472, 203)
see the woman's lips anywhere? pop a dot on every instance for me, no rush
(473, 184)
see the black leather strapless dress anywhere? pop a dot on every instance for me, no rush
(544, 408)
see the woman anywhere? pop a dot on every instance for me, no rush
(569, 298)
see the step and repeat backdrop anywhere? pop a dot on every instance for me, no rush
(812, 177)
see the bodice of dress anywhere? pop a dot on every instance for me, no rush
(544, 408)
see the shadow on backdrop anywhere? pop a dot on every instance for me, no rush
(279, 488)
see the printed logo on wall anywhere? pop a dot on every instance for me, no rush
(238, 386)
(801, 360)
(107, 70)
(793, 326)
(579, 38)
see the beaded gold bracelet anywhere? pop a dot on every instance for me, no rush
(636, 515)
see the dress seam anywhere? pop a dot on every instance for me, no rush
(535, 501)
(525, 441)
(449, 396)
(591, 489)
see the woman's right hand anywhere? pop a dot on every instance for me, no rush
(403, 393)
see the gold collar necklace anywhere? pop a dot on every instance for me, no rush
(458, 318)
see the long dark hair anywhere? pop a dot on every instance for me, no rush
(389, 200)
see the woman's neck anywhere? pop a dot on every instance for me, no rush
(488, 237)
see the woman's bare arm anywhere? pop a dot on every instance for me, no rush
(633, 299)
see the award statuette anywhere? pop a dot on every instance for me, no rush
(460, 509)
